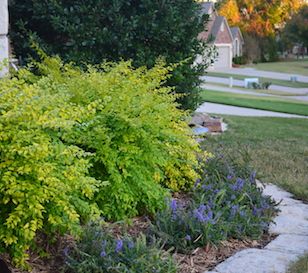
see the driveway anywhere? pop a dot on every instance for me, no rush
(215, 108)
(252, 72)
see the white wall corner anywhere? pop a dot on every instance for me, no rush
(4, 43)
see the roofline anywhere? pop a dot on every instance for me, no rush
(229, 30)
(239, 31)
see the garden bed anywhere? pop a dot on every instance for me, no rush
(198, 261)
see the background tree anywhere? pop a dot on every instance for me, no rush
(230, 10)
(260, 21)
(96, 30)
(296, 30)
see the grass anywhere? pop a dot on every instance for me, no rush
(292, 67)
(256, 102)
(278, 148)
(301, 266)
(273, 81)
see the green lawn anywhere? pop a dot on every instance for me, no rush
(292, 67)
(264, 103)
(278, 148)
(273, 81)
(301, 266)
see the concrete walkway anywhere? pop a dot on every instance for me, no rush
(240, 83)
(291, 226)
(215, 108)
(252, 72)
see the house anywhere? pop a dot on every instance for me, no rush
(218, 32)
(238, 41)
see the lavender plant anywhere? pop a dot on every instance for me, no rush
(225, 203)
(99, 251)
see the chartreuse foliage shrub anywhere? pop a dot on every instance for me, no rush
(139, 138)
(44, 182)
(99, 251)
(72, 141)
(225, 203)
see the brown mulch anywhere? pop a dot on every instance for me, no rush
(200, 260)
(51, 257)
(207, 258)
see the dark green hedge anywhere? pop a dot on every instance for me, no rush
(95, 30)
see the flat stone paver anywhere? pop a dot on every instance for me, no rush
(294, 244)
(216, 108)
(257, 261)
(291, 226)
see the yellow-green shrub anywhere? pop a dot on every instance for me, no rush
(44, 182)
(138, 135)
(110, 133)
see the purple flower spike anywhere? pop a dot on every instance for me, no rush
(130, 245)
(65, 251)
(173, 205)
(103, 253)
(119, 246)
(230, 176)
(252, 177)
(239, 184)
(188, 237)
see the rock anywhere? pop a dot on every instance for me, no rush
(299, 211)
(289, 224)
(276, 193)
(199, 119)
(200, 130)
(288, 243)
(257, 261)
(214, 125)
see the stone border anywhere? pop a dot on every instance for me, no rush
(291, 226)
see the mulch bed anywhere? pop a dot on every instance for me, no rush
(207, 258)
(200, 260)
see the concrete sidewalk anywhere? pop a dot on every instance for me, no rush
(219, 88)
(240, 83)
(215, 108)
(252, 72)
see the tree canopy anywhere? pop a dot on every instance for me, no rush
(259, 17)
(296, 30)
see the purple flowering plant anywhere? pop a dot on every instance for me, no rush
(230, 185)
(100, 251)
(226, 202)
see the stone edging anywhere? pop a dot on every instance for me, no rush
(291, 226)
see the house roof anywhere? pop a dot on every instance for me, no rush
(235, 31)
(216, 26)
(213, 30)
(206, 6)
